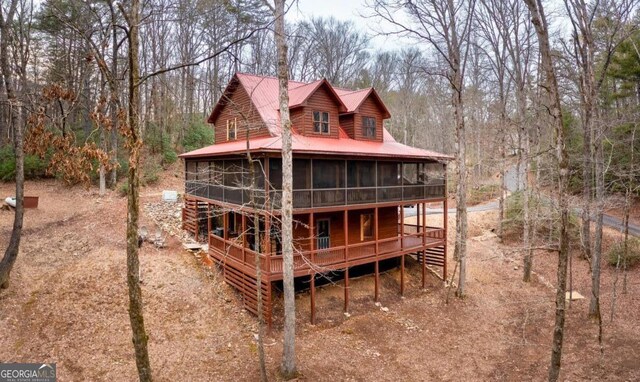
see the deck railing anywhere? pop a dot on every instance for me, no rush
(222, 250)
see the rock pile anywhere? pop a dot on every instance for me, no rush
(168, 217)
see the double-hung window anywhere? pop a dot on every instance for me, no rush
(321, 122)
(369, 127)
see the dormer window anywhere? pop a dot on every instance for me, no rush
(231, 129)
(369, 127)
(321, 122)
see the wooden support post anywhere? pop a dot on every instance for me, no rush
(402, 275)
(346, 259)
(346, 235)
(313, 298)
(312, 241)
(424, 243)
(401, 227)
(377, 268)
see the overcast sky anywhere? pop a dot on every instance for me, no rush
(344, 10)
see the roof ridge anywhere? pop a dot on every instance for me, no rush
(273, 78)
(349, 91)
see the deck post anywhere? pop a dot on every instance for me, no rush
(424, 243)
(402, 275)
(313, 298)
(402, 227)
(346, 260)
(311, 237)
(377, 268)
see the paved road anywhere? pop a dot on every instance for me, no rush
(513, 184)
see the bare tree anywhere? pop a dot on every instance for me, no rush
(538, 18)
(15, 120)
(445, 27)
(288, 368)
(614, 27)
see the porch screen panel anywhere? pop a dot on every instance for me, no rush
(328, 173)
(233, 181)
(361, 174)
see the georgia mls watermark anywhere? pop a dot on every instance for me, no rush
(27, 372)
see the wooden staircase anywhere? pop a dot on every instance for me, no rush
(435, 256)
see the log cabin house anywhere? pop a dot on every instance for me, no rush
(351, 184)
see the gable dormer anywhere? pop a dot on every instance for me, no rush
(365, 116)
(235, 112)
(315, 109)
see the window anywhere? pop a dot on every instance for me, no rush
(321, 122)
(232, 129)
(369, 127)
(366, 226)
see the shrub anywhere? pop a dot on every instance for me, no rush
(617, 251)
(197, 135)
(123, 189)
(34, 167)
(548, 217)
(169, 156)
(483, 193)
(150, 173)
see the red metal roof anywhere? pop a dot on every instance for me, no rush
(354, 98)
(264, 93)
(343, 146)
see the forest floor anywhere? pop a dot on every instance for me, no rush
(67, 303)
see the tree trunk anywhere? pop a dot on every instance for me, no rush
(539, 21)
(288, 355)
(140, 337)
(460, 250)
(11, 253)
(594, 305)
(114, 104)
(15, 123)
(524, 158)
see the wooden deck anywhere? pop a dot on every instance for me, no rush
(324, 260)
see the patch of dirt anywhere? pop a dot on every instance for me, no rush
(67, 303)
